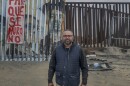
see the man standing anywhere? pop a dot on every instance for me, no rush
(66, 61)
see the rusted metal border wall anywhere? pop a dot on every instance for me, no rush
(95, 24)
(99, 24)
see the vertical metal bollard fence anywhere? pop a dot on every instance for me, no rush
(95, 24)
(34, 23)
(41, 29)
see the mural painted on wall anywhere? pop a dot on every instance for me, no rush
(23, 28)
(55, 24)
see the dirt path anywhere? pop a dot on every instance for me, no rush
(35, 74)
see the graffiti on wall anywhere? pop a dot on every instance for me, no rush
(16, 12)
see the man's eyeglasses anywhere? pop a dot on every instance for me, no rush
(67, 35)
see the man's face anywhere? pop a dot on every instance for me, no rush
(67, 37)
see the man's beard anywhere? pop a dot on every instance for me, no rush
(67, 42)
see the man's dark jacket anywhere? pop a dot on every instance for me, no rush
(66, 64)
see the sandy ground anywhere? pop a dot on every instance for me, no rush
(35, 74)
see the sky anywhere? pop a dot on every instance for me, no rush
(98, 0)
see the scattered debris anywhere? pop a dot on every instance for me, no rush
(99, 66)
